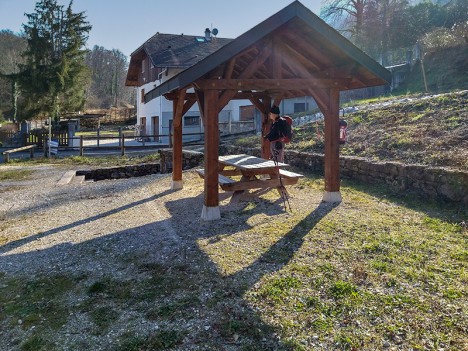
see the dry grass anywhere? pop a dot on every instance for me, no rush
(432, 131)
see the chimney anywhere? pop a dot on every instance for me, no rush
(207, 34)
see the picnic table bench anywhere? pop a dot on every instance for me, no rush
(254, 172)
(28, 147)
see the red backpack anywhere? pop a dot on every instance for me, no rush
(286, 131)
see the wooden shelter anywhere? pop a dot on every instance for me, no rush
(291, 54)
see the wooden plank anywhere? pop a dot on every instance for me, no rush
(221, 178)
(246, 162)
(289, 174)
(258, 184)
(27, 147)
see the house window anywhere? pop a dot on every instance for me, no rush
(192, 121)
(143, 96)
(247, 113)
(143, 64)
(299, 107)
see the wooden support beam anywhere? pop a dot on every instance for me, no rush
(263, 109)
(278, 99)
(188, 105)
(321, 97)
(332, 136)
(247, 95)
(266, 125)
(273, 84)
(201, 103)
(225, 97)
(230, 68)
(211, 203)
(276, 60)
(178, 106)
(229, 93)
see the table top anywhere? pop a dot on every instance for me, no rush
(248, 162)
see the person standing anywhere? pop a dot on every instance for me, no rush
(276, 135)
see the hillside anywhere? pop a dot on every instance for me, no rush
(423, 130)
(446, 70)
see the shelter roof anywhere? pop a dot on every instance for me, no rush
(293, 44)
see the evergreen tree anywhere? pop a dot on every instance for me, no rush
(55, 75)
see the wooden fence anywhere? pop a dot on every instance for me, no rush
(39, 137)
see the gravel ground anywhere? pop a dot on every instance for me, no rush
(44, 224)
(107, 228)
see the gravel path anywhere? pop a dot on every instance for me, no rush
(77, 227)
(112, 230)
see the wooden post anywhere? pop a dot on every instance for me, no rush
(332, 148)
(81, 145)
(170, 133)
(210, 209)
(266, 125)
(98, 135)
(123, 145)
(178, 104)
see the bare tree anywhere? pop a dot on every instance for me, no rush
(347, 16)
(108, 70)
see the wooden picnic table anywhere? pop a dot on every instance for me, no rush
(254, 172)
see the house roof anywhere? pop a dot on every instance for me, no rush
(172, 50)
(305, 45)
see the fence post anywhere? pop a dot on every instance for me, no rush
(44, 144)
(120, 136)
(123, 145)
(98, 135)
(81, 145)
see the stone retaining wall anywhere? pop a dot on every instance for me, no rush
(433, 182)
(190, 159)
(120, 172)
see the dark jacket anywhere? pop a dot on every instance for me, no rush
(276, 130)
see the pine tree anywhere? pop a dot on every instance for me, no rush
(55, 75)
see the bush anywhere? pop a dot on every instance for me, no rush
(441, 38)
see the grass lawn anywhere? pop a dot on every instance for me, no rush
(376, 272)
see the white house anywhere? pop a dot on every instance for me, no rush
(165, 55)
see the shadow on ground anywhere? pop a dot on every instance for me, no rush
(157, 276)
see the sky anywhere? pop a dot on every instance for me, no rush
(125, 24)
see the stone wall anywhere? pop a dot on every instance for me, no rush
(120, 172)
(433, 182)
(190, 159)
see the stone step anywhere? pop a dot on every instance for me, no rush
(66, 178)
(78, 180)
